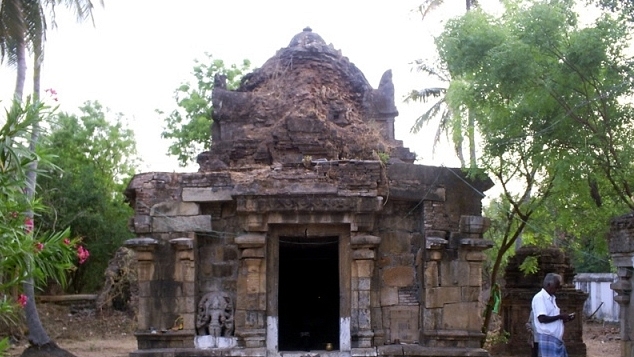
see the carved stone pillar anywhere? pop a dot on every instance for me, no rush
(185, 272)
(363, 256)
(623, 289)
(453, 282)
(144, 249)
(251, 294)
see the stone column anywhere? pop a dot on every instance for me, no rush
(623, 289)
(251, 295)
(184, 272)
(363, 256)
(431, 310)
(621, 245)
(453, 282)
(144, 249)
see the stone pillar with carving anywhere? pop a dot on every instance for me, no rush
(185, 272)
(453, 282)
(363, 257)
(435, 245)
(250, 316)
(621, 245)
(144, 249)
(470, 258)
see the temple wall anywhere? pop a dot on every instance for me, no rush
(405, 285)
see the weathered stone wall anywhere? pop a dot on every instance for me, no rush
(399, 281)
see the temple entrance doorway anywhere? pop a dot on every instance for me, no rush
(308, 293)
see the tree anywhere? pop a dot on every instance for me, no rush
(549, 98)
(624, 7)
(451, 123)
(189, 126)
(96, 155)
(26, 257)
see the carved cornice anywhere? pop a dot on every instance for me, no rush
(307, 203)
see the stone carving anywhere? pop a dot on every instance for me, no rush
(311, 204)
(215, 315)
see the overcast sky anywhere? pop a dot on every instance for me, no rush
(140, 51)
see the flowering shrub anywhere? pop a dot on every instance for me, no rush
(26, 254)
(82, 254)
(22, 299)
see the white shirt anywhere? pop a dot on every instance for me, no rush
(545, 304)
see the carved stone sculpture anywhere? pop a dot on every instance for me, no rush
(215, 315)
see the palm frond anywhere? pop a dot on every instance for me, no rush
(12, 27)
(432, 70)
(438, 110)
(82, 9)
(425, 94)
(428, 6)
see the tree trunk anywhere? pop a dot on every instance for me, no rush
(21, 70)
(472, 143)
(37, 334)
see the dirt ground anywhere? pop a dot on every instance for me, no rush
(84, 333)
(602, 339)
(111, 334)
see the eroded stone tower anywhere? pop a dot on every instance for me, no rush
(308, 227)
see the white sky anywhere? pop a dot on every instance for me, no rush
(140, 51)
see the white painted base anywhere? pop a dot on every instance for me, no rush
(206, 342)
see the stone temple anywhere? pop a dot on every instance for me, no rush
(308, 230)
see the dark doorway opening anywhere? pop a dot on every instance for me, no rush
(308, 293)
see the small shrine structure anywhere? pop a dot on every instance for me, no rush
(308, 228)
(517, 297)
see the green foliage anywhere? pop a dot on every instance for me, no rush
(550, 98)
(624, 8)
(530, 265)
(189, 126)
(96, 156)
(25, 255)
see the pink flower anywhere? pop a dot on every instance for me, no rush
(82, 254)
(39, 246)
(28, 224)
(66, 241)
(22, 299)
(52, 93)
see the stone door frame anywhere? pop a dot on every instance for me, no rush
(342, 231)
